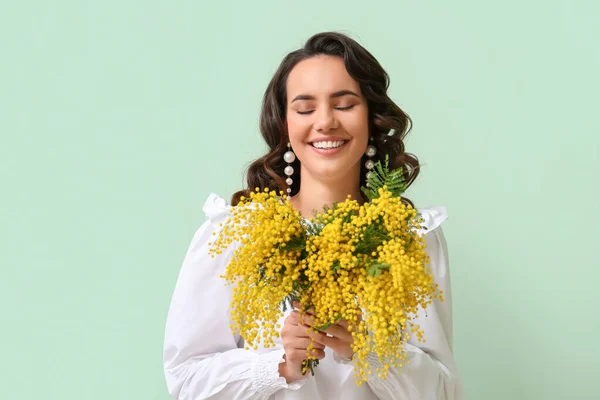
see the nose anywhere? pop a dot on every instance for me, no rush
(325, 120)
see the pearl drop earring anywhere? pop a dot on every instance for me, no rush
(289, 157)
(369, 164)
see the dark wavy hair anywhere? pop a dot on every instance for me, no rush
(388, 124)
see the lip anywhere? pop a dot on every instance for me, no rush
(328, 139)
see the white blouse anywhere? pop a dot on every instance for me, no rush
(203, 359)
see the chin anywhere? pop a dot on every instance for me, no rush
(333, 171)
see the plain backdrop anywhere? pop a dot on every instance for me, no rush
(118, 118)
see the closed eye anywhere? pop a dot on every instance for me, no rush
(350, 107)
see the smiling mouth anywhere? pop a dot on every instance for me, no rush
(327, 145)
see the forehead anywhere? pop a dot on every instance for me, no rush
(320, 75)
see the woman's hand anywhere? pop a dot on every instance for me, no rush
(296, 339)
(337, 337)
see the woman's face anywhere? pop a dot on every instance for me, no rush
(327, 119)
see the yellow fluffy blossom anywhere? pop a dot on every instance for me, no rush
(364, 263)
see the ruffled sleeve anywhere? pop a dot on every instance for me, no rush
(432, 373)
(202, 358)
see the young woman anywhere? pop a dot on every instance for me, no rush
(328, 104)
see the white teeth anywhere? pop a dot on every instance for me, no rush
(328, 145)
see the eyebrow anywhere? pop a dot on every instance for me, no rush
(333, 95)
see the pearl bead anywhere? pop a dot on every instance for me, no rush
(371, 151)
(369, 175)
(289, 190)
(367, 184)
(288, 170)
(370, 164)
(289, 157)
(289, 181)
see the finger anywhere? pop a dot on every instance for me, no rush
(302, 332)
(324, 340)
(318, 337)
(304, 343)
(293, 318)
(307, 320)
(317, 353)
(343, 323)
(295, 356)
(306, 331)
(339, 329)
(297, 305)
(334, 337)
(339, 332)
(308, 337)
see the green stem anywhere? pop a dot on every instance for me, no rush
(309, 365)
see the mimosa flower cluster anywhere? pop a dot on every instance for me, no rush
(363, 263)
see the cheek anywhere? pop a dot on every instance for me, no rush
(296, 127)
(358, 126)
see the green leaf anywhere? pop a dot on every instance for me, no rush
(296, 243)
(373, 236)
(377, 268)
(327, 325)
(335, 267)
(381, 176)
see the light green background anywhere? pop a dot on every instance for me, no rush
(118, 118)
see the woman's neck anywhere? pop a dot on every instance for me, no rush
(315, 194)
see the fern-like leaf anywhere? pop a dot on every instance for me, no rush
(381, 176)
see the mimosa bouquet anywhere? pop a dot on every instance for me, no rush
(365, 264)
